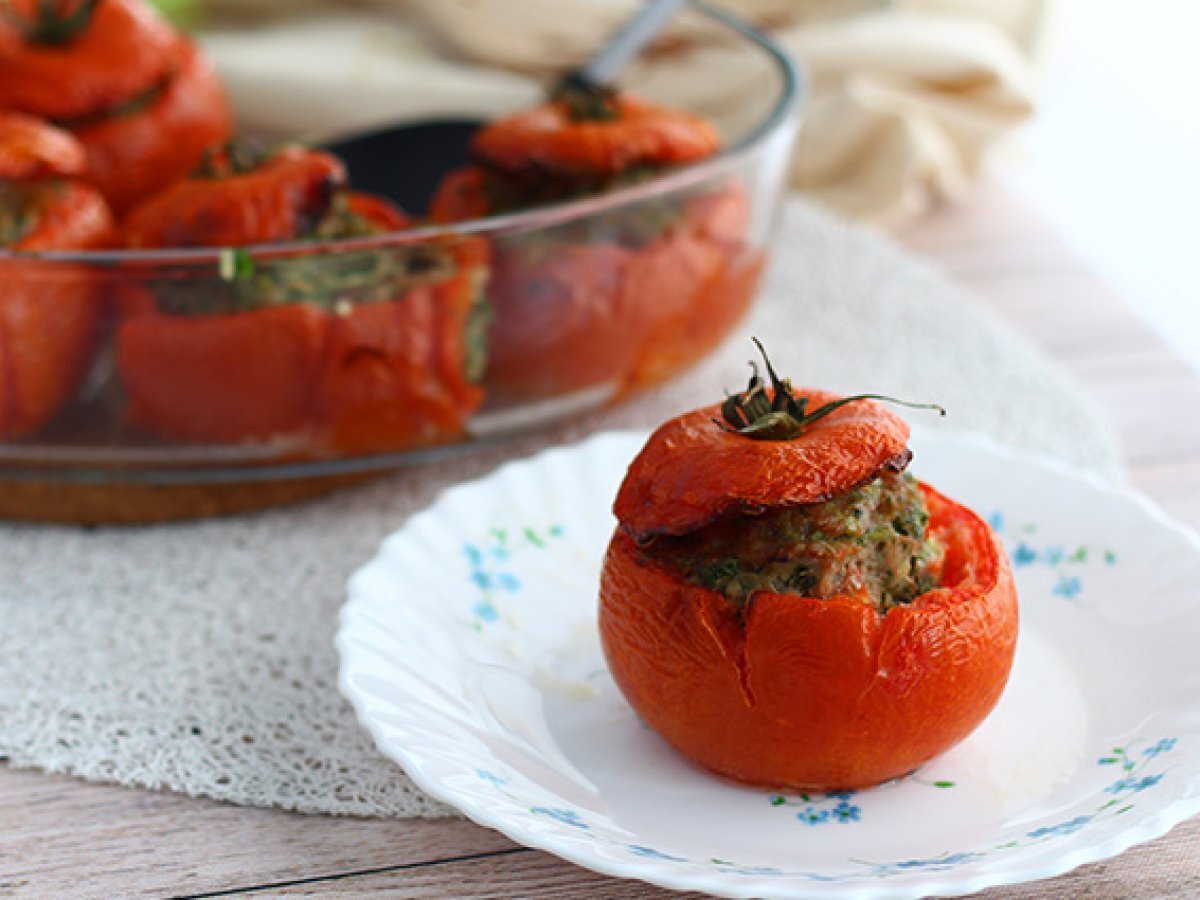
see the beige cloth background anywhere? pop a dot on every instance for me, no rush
(907, 97)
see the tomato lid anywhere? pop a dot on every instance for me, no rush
(31, 149)
(240, 197)
(591, 135)
(84, 58)
(694, 469)
(770, 445)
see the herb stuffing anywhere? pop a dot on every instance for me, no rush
(870, 543)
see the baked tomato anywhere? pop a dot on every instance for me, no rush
(70, 59)
(140, 150)
(618, 300)
(329, 352)
(240, 196)
(49, 312)
(584, 136)
(689, 285)
(32, 150)
(139, 96)
(786, 609)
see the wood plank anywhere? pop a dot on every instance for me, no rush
(1138, 875)
(62, 837)
(527, 874)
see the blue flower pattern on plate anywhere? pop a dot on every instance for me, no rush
(1062, 828)
(566, 816)
(1068, 564)
(836, 807)
(488, 560)
(821, 809)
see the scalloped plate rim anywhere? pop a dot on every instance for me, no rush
(1149, 828)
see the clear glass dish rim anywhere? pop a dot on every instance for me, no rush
(780, 116)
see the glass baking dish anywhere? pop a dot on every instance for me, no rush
(144, 385)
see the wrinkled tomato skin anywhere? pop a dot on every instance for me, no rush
(273, 203)
(687, 288)
(385, 376)
(559, 324)
(813, 694)
(124, 50)
(603, 303)
(50, 314)
(31, 150)
(395, 372)
(136, 155)
(693, 470)
(222, 378)
(575, 315)
(546, 140)
(382, 376)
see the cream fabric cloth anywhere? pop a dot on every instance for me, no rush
(906, 96)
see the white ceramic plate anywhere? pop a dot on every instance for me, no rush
(469, 650)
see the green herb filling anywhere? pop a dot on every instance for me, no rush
(870, 543)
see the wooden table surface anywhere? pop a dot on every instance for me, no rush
(63, 838)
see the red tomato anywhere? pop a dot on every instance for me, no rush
(137, 154)
(31, 149)
(141, 98)
(557, 140)
(49, 313)
(793, 691)
(623, 301)
(269, 200)
(694, 471)
(69, 59)
(373, 377)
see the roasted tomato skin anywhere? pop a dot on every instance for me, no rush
(122, 49)
(275, 202)
(381, 376)
(550, 140)
(50, 313)
(139, 96)
(222, 378)
(576, 312)
(803, 693)
(32, 150)
(693, 469)
(133, 156)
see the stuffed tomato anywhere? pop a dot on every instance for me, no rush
(617, 300)
(329, 352)
(138, 95)
(787, 607)
(50, 313)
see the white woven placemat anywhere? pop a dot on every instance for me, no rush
(199, 657)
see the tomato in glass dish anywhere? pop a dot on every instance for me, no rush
(50, 313)
(326, 351)
(615, 301)
(138, 95)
